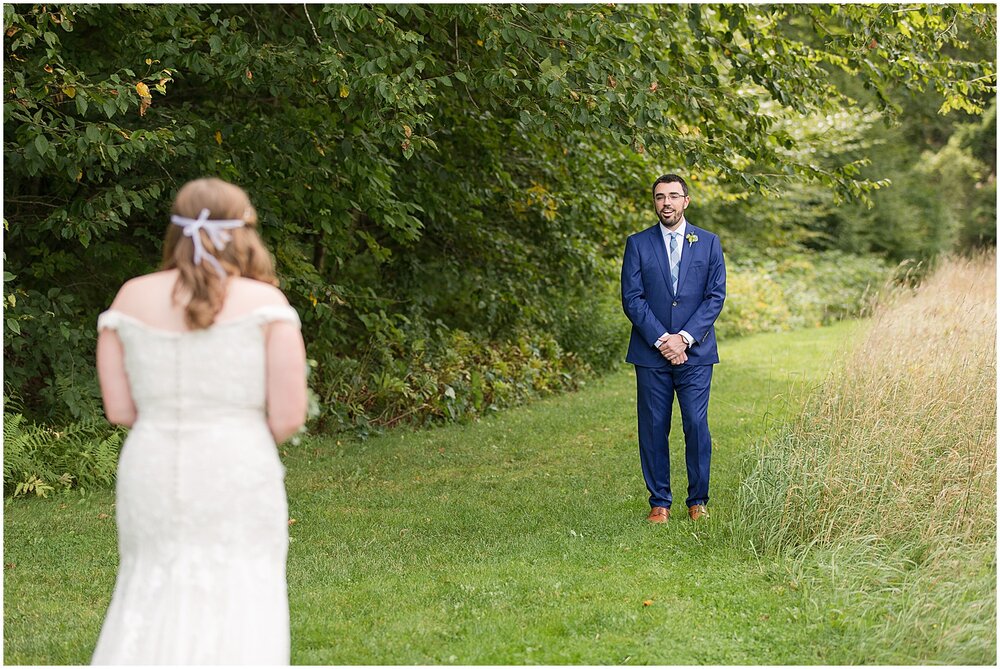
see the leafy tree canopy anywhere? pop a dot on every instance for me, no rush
(469, 166)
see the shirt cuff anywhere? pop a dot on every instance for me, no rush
(688, 338)
(663, 338)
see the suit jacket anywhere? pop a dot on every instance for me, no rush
(650, 303)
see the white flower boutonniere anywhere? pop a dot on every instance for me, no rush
(691, 237)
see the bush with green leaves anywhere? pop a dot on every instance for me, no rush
(797, 290)
(446, 188)
(473, 165)
(440, 377)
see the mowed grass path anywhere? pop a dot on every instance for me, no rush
(520, 539)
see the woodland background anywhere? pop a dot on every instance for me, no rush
(447, 188)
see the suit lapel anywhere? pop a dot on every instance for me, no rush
(687, 255)
(660, 251)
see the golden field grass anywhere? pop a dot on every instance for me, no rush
(885, 487)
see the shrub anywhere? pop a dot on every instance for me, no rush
(449, 377)
(754, 303)
(797, 290)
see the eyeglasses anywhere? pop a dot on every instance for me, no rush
(673, 197)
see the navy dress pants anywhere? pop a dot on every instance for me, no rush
(655, 390)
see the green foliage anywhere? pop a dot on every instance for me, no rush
(943, 198)
(46, 357)
(754, 303)
(38, 460)
(798, 290)
(440, 172)
(445, 377)
(964, 173)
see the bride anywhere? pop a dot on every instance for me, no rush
(205, 363)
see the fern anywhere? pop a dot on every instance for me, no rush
(38, 459)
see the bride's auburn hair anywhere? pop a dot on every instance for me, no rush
(244, 255)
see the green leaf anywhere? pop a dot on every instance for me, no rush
(14, 326)
(41, 145)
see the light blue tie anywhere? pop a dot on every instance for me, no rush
(673, 260)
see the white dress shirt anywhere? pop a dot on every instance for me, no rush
(679, 231)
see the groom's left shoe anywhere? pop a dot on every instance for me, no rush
(698, 511)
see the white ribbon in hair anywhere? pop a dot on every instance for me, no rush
(216, 230)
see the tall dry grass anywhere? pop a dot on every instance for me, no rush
(884, 490)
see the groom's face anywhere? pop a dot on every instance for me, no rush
(670, 202)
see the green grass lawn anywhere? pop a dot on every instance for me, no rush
(520, 539)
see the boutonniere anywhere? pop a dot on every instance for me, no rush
(691, 237)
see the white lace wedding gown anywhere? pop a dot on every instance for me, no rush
(201, 507)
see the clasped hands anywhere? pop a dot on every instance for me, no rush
(674, 349)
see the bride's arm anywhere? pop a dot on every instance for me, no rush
(286, 380)
(118, 405)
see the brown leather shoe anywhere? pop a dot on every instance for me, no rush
(698, 511)
(658, 514)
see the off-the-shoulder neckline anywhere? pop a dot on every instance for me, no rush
(218, 324)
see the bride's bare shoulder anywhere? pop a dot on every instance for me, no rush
(141, 288)
(257, 290)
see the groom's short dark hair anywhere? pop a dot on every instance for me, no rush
(671, 179)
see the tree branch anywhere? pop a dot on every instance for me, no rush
(315, 34)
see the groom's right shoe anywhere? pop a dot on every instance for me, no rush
(658, 514)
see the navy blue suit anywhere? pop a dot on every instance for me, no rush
(654, 308)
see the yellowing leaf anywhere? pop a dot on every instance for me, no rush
(218, 137)
(149, 61)
(69, 91)
(142, 89)
(343, 91)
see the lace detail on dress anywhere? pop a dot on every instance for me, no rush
(109, 320)
(113, 319)
(278, 313)
(200, 500)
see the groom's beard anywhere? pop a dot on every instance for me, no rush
(672, 219)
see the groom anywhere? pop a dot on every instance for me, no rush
(673, 287)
